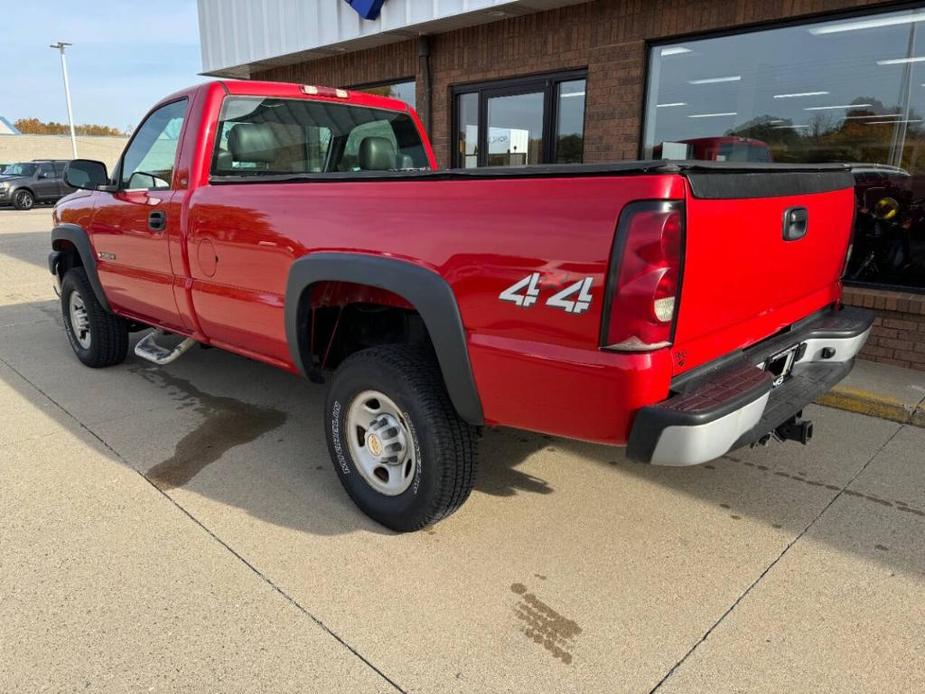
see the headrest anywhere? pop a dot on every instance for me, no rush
(253, 142)
(224, 162)
(376, 154)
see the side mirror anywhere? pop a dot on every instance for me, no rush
(86, 174)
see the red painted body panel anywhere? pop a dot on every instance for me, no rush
(742, 282)
(219, 272)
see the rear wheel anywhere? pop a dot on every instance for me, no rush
(99, 338)
(23, 200)
(401, 451)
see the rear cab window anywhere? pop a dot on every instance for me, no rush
(271, 136)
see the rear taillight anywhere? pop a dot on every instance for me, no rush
(645, 277)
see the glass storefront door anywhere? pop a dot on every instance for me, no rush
(516, 129)
(520, 122)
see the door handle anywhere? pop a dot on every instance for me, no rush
(157, 220)
(796, 220)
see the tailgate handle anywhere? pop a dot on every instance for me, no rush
(795, 223)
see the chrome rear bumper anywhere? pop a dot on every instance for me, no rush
(734, 403)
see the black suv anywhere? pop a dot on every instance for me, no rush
(41, 180)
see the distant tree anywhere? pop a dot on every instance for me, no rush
(33, 126)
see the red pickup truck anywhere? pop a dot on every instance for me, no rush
(682, 309)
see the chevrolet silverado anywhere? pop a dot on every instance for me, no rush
(682, 309)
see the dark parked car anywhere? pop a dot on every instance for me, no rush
(41, 180)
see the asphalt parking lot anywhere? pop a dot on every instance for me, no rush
(182, 528)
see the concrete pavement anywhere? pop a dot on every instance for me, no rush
(182, 529)
(881, 390)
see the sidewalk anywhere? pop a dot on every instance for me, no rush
(879, 390)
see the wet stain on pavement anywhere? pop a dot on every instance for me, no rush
(226, 423)
(543, 625)
(800, 477)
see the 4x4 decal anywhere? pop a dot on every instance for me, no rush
(530, 284)
(575, 298)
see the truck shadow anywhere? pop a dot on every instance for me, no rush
(214, 424)
(21, 246)
(236, 432)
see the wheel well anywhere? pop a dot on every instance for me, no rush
(24, 188)
(70, 256)
(336, 319)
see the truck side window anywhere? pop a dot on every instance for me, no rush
(149, 160)
(265, 136)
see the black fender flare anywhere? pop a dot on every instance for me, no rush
(75, 235)
(424, 289)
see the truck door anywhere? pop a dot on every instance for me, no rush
(131, 225)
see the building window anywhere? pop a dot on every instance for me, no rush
(401, 89)
(842, 90)
(535, 120)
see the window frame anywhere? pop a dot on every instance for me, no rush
(117, 172)
(332, 151)
(752, 28)
(547, 82)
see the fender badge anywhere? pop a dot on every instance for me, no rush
(103, 255)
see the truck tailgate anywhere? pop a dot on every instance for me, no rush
(748, 270)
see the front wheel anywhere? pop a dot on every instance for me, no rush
(99, 338)
(401, 451)
(23, 200)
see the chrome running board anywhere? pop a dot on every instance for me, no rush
(147, 348)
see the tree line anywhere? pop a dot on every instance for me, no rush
(33, 126)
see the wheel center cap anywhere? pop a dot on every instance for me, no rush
(374, 445)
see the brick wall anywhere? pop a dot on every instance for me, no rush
(898, 336)
(606, 36)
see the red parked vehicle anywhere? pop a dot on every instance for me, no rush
(682, 309)
(720, 148)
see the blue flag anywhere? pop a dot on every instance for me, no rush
(367, 9)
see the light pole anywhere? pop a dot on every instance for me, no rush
(61, 45)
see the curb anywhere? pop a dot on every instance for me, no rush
(873, 405)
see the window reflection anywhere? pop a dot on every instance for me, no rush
(570, 128)
(405, 91)
(846, 91)
(515, 129)
(468, 130)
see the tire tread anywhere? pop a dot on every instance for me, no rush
(457, 440)
(109, 331)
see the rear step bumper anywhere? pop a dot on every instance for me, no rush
(734, 402)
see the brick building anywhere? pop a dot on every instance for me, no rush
(502, 82)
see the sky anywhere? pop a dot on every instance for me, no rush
(125, 57)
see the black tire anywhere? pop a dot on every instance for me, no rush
(444, 444)
(108, 333)
(23, 200)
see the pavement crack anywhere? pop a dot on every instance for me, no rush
(266, 579)
(773, 563)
